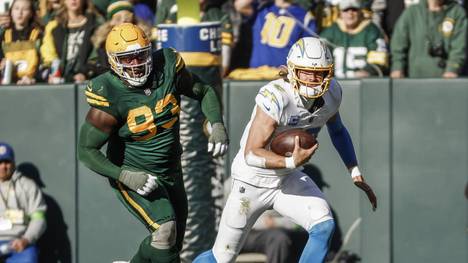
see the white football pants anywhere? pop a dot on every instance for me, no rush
(298, 198)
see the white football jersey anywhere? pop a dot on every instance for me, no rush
(282, 103)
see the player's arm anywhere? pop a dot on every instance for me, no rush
(344, 145)
(342, 141)
(193, 87)
(255, 154)
(94, 133)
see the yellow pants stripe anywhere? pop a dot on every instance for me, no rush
(138, 208)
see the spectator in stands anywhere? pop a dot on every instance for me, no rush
(358, 45)
(118, 12)
(101, 6)
(22, 211)
(327, 11)
(143, 12)
(20, 43)
(66, 40)
(429, 40)
(276, 26)
(51, 8)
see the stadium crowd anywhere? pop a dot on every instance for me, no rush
(57, 41)
(63, 41)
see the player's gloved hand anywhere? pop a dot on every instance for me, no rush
(218, 141)
(140, 182)
(359, 182)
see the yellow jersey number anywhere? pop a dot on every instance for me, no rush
(277, 30)
(146, 113)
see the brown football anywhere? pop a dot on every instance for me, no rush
(283, 143)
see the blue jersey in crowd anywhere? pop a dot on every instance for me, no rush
(275, 30)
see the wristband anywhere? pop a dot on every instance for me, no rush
(355, 172)
(289, 161)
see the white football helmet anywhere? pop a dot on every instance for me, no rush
(312, 55)
(124, 44)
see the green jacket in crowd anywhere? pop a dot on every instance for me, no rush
(361, 49)
(427, 44)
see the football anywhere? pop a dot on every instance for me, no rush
(283, 143)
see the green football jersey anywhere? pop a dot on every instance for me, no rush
(363, 48)
(148, 116)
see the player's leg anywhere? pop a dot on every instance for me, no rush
(243, 206)
(303, 202)
(178, 198)
(156, 212)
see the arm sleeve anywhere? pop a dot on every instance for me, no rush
(209, 99)
(456, 52)
(342, 141)
(90, 142)
(36, 213)
(399, 44)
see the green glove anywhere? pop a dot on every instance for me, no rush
(140, 182)
(218, 141)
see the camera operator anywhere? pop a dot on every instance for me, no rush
(429, 40)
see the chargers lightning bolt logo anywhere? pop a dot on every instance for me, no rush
(270, 97)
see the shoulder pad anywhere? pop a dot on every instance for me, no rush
(172, 57)
(272, 98)
(96, 93)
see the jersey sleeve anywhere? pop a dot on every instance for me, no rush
(272, 100)
(97, 97)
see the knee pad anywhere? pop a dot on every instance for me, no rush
(165, 236)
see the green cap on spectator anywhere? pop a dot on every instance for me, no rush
(117, 6)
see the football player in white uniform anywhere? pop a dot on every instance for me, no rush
(308, 98)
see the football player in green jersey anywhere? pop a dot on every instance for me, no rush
(137, 105)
